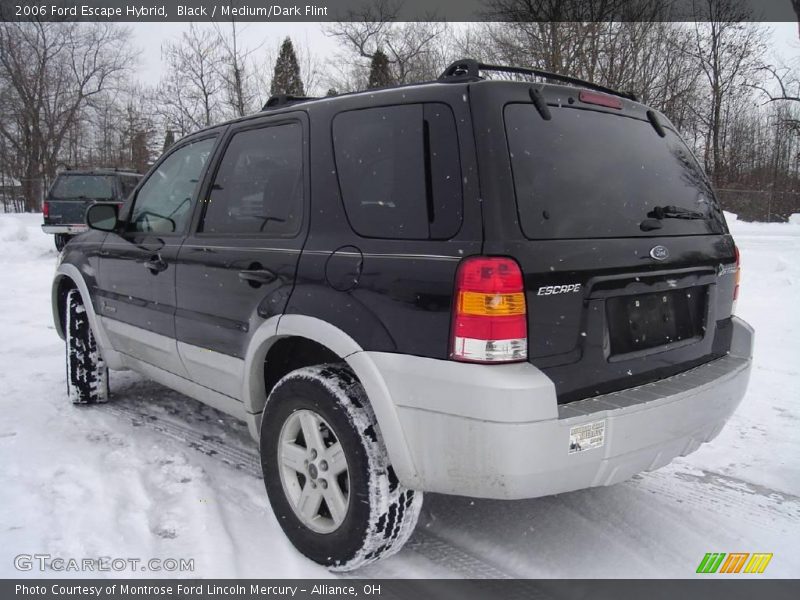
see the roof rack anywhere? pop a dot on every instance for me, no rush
(468, 69)
(280, 100)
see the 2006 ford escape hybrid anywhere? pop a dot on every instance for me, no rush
(490, 288)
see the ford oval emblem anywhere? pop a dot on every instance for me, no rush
(659, 253)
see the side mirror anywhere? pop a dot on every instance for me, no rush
(102, 217)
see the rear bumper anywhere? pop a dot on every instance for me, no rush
(69, 229)
(497, 431)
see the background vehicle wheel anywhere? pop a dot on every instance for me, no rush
(87, 374)
(61, 240)
(327, 473)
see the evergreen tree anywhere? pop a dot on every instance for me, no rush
(332, 92)
(169, 140)
(286, 78)
(379, 74)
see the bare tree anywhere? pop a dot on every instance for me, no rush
(192, 88)
(48, 74)
(236, 70)
(409, 47)
(729, 53)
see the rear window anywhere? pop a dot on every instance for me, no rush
(589, 174)
(93, 187)
(399, 171)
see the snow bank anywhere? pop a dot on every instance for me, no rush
(21, 237)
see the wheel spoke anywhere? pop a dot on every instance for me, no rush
(336, 501)
(337, 462)
(293, 456)
(309, 501)
(310, 423)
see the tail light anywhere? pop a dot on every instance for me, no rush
(489, 316)
(45, 209)
(737, 277)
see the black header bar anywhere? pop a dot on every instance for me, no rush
(402, 10)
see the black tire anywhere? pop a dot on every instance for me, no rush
(61, 240)
(381, 514)
(87, 374)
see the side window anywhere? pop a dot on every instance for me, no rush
(164, 202)
(399, 171)
(258, 187)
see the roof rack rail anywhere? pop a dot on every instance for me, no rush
(468, 69)
(285, 99)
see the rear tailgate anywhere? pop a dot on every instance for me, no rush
(595, 328)
(66, 212)
(611, 303)
(72, 193)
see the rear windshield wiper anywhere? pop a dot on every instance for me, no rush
(668, 212)
(674, 212)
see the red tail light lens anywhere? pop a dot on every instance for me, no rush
(489, 315)
(45, 209)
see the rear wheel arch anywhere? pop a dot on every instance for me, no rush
(326, 340)
(287, 354)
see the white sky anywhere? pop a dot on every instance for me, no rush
(267, 37)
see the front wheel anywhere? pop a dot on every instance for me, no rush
(87, 374)
(327, 472)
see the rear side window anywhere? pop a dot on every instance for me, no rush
(399, 171)
(89, 187)
(258, 187)
(589, 174)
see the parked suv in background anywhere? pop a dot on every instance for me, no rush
(497, 289)
(73, 192)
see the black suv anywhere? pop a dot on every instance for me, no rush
(491, 288)
(73, 191)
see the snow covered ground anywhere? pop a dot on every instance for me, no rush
(155, 474)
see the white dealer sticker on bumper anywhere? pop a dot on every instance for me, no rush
(587, 436)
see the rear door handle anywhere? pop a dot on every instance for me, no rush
(155, 265)
(257, 277)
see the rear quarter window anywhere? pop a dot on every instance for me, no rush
(399, 171)
(591, 174)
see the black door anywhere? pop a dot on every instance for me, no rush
(238, 268)
(137, 265)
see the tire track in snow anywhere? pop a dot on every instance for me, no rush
(708, 491)
(422, 543)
